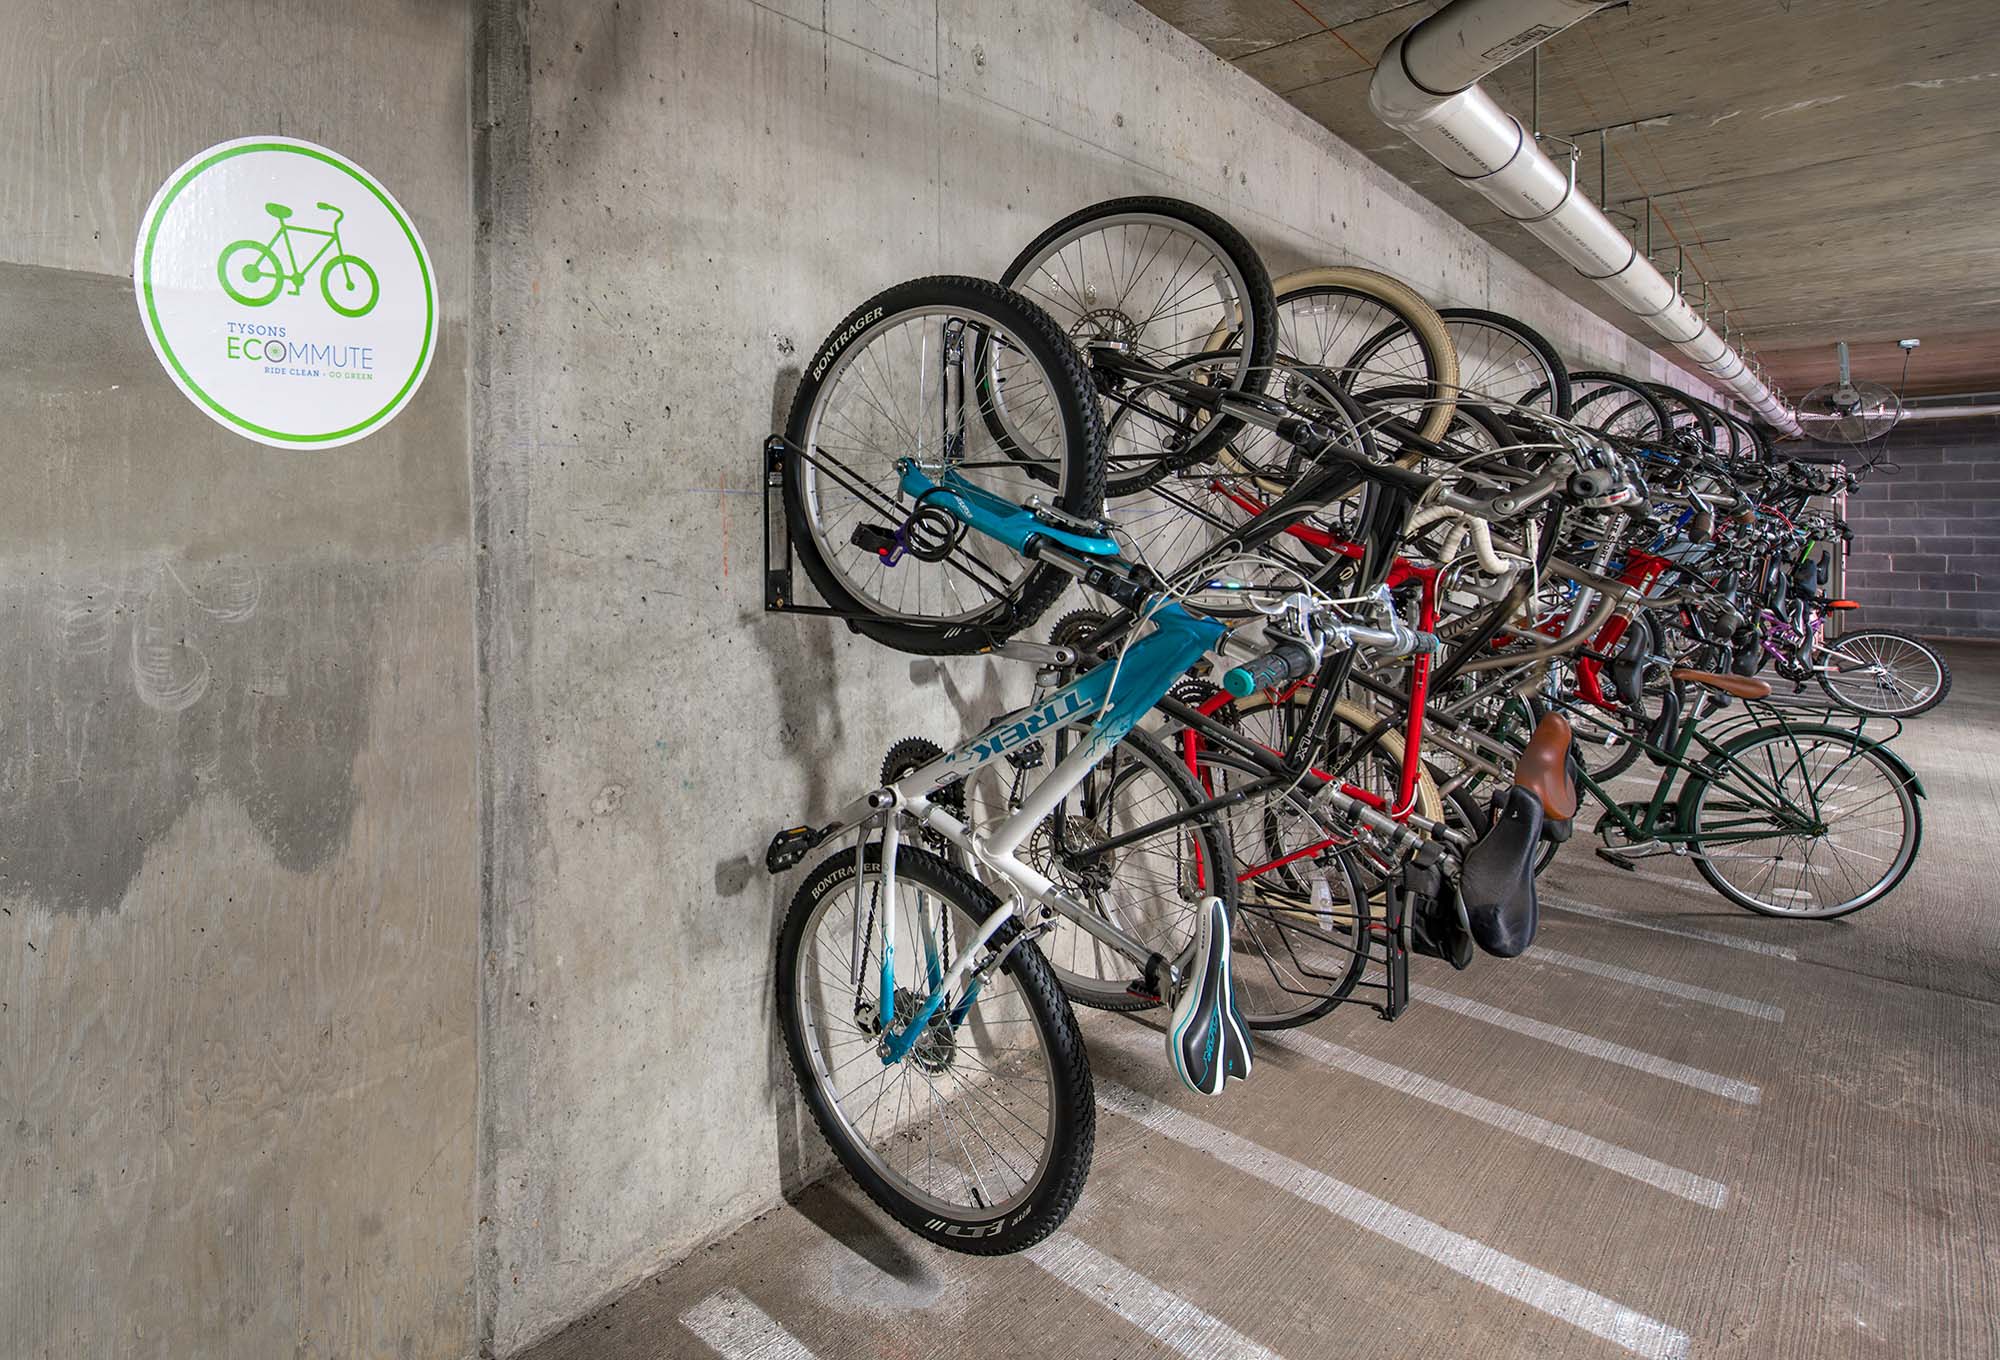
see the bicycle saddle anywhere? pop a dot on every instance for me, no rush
(1208, 1041)
(1736, 686)
(1497, 882)
(278, 210)
(1544, 769)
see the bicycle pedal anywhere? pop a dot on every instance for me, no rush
(791, 846)
(1617, 861)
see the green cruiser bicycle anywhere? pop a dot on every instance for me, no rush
(252, 273)
(1784, 818)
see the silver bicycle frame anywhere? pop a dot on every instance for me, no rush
(1145, 672)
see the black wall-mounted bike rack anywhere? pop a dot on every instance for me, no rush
(780, 587)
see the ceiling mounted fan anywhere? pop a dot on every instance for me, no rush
(1849, 412)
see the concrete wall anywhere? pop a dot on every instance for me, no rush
(237, 891)
(681, 202)
(1926, 555)
(386, 943)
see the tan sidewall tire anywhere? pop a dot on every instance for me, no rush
(1417, 314)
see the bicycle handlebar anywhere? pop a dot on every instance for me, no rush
(1286, 661)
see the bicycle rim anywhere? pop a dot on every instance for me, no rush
(1882, 674)
(1870, 824)
(965, 1125)
(1375, 332)
(892, 394)
(1150, 889)
(1506, 361)
(1159, 284)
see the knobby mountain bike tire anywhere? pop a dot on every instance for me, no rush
(930, 1166)
(869, 398)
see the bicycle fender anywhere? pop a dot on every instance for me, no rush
(1901, 766)
(1707, 771)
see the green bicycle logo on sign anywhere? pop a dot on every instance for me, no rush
(298, 326)
(252, 273)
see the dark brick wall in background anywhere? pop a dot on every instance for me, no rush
(1926, 555)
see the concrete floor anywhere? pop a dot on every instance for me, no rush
(1672, 1128)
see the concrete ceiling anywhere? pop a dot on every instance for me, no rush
(1831, 166)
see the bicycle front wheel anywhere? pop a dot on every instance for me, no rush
(903, 382)
(1884, 674)
(979, 1139)
(1159, 282)
(1803, 821)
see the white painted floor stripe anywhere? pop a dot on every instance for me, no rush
(1161, 1314)
(1729, 1088)
(1631, 978)
(1556, 1137)
(1141, 1042)
(1624, 918)
(737, 1329)
(1462, 1255)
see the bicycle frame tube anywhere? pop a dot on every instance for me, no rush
(285, 233)
(1118, 693)
(1401, 572)
(1720, 768)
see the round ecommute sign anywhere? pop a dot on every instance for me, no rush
(286, 291)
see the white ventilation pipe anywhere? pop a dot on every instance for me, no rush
(1425, 88)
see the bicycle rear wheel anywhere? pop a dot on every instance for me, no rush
(979, 1139)
(1150, 888)
(1884, 674)
(1848, 833)
(921, 375)
(1160, 281)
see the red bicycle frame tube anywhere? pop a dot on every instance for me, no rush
(1401, 572)
(1642, 571)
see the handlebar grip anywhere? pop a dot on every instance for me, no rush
(1286, 661)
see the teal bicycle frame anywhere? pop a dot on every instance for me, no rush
(1116, 693)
